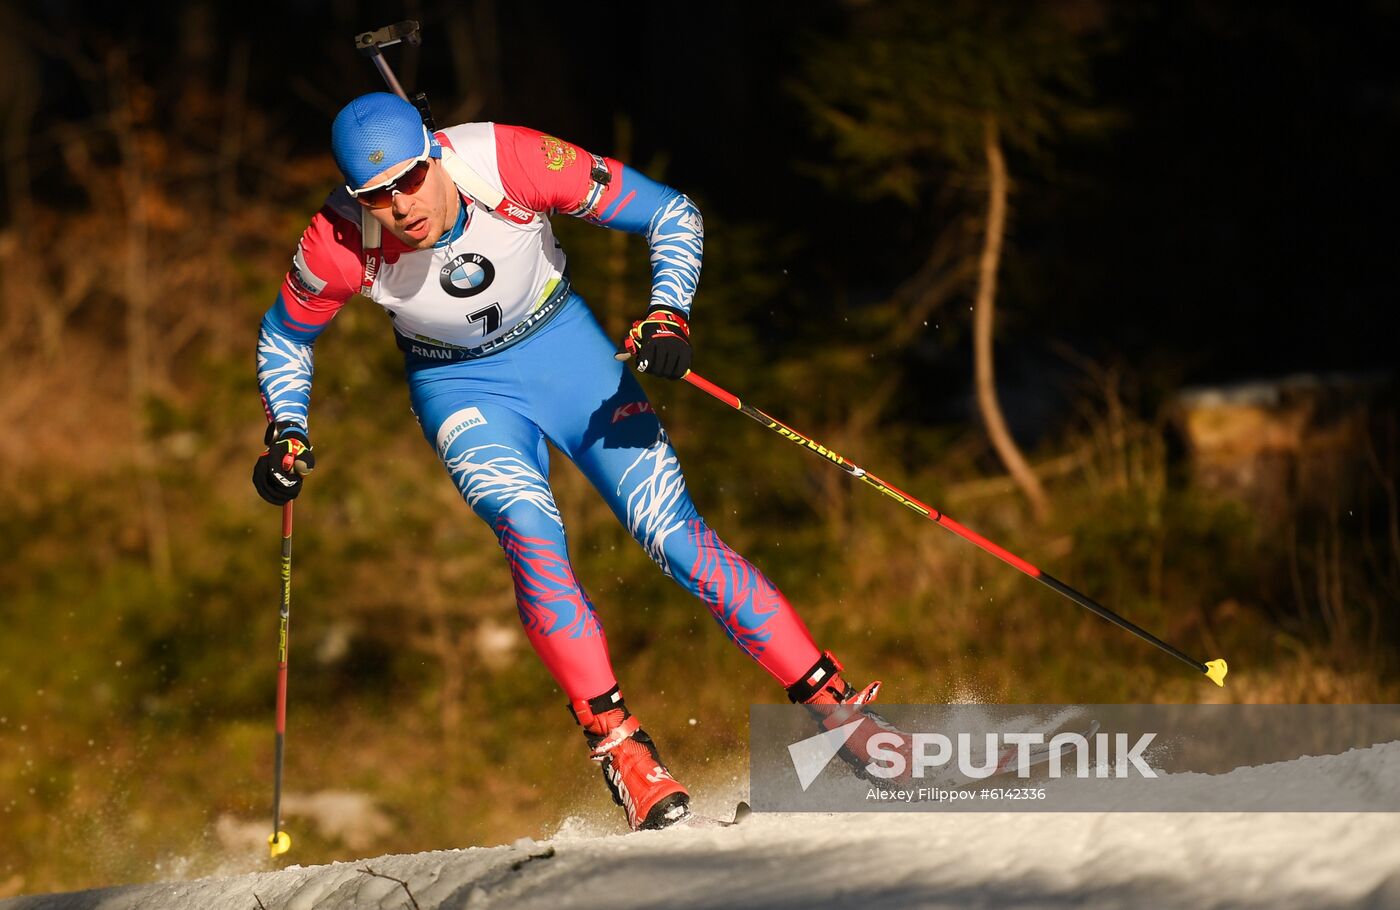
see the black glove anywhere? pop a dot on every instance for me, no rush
(660, 342)
(277, 475)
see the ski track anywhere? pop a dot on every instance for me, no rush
(936, 860)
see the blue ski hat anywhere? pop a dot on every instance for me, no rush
(375, 131)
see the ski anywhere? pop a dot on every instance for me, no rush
(695, 820)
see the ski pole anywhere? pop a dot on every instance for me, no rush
(1214, 669)
(280, 842)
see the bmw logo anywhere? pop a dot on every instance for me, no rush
(467, 275)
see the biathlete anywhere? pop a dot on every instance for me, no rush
(449, 232)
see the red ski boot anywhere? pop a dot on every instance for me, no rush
(632, 767)
(833, 702)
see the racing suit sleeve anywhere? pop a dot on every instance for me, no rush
(546, 173)
(324, 274)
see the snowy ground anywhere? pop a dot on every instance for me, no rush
(1091, 860)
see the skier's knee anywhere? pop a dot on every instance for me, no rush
(655, 505)
(526, 521)
(676, 550)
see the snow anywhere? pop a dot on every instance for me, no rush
(992, 860)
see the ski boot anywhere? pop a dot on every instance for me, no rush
(632, 768)
(833, 703)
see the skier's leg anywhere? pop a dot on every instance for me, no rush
(499, 461)
(592, 407)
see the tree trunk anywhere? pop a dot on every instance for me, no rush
(983, 321)
(138, 329)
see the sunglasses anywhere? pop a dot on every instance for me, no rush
(381, 195)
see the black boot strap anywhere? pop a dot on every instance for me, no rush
(814, 679)
(600, 704)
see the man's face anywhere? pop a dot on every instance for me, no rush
(419, 219)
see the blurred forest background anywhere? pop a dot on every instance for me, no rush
(1182, 212)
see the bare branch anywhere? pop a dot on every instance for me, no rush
(987, 402)
(401, 883)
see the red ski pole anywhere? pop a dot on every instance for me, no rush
(280, 842)
(1214, 669)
